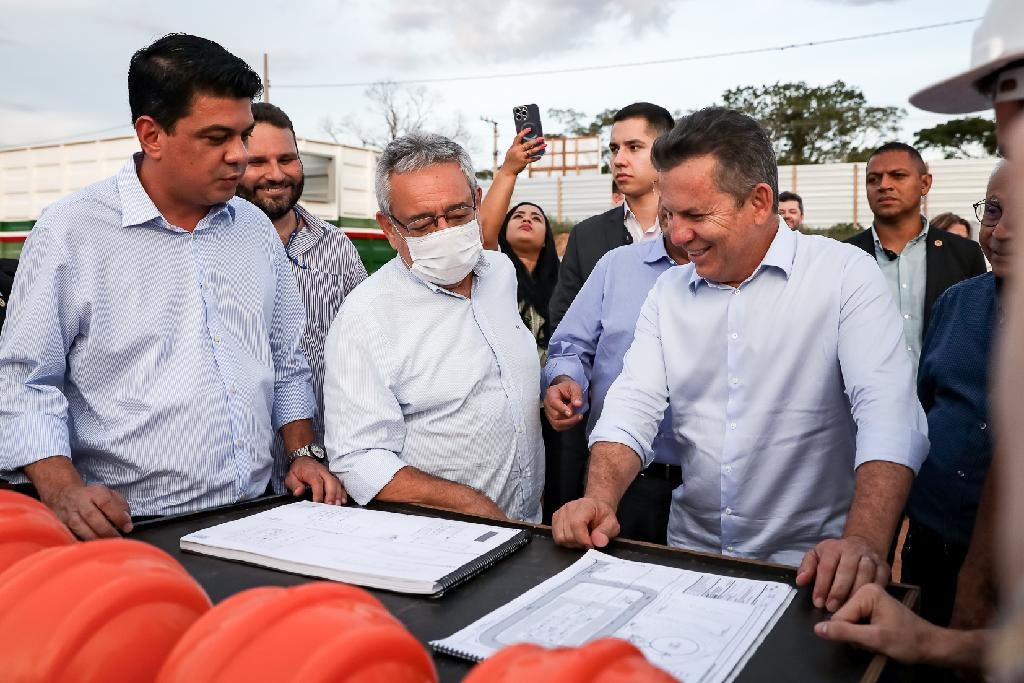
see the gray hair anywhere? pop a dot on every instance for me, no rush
(415, 152)
(741, 148)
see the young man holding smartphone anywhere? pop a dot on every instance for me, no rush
(635, 128)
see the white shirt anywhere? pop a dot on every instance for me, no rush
(778, 390)
(637, 231)
(418, 375)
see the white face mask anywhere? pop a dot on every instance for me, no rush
(447, 256)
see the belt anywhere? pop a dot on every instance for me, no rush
(661, 470)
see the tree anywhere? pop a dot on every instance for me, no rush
(960, 138)
(814, 125)
(575, 122)
(398, 110)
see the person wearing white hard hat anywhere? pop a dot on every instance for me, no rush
(994, 80)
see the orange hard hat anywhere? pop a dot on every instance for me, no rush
(26, 526)
(318, 632)
(608, 660)
(95, 612)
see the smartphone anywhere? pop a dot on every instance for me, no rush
(528, 116)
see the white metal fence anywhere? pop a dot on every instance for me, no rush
(832, 193)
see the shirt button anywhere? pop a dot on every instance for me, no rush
(732, 425)
(984, 425)
(727, 468)
(906, 316)
(904, 285)
(730, 548)
(216, 340)
(961, 474)
(728, 511)
(735, 292)
(734, 381)
(734, 336)
(910, 348)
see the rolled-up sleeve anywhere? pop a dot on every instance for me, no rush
(363, 421)
(573, 345)
(637, 400)
(293, 381)
(877, 371)
(42, 322)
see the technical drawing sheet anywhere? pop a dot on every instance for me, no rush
(701, 628)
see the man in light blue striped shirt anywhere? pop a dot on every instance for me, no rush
(781, 359)
(153, 339)
(430, 390)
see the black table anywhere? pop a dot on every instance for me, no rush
(791, 651)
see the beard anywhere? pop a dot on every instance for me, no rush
(273, 207)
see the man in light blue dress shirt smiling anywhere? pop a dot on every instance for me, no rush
(780, 357)
(152, 347)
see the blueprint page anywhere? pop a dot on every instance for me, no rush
(699, 627)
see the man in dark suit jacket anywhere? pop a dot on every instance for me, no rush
(633, 133)
(920, 264)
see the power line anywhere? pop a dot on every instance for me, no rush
(623, 65)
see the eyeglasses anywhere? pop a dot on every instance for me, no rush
(455, 216)
(988, 212)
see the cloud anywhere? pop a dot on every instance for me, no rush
(420, 34)
(861, 2)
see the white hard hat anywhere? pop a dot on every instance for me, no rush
(998, 41)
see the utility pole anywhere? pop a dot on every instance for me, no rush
(266, 77)
(494, 125)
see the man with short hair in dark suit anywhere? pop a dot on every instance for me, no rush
(634, 130)
(919, 264)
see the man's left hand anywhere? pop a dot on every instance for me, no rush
(838, 567)
(326, 487)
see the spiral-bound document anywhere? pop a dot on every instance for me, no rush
(699, 627)
(386, 550)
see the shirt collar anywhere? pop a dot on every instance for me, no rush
(628, 214)
(920, 236)
(137, 208)
(780, 255)
(309, 233)
(654, 250)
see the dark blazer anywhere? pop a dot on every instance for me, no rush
(589, 240)
(949, 259)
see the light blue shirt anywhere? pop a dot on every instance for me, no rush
(596, 331)
(778, 390)
(907, 276)
(421, 376)
(160, 360)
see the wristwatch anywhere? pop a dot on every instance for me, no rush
(312, 450)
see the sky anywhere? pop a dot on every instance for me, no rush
(63, 63)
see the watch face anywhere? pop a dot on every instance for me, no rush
(317, 452)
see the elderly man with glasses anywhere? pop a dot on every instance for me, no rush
(431, 376)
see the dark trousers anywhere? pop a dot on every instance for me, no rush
(643, 510)
(565, 465)
(934, 564)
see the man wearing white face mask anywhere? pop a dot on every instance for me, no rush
(429, 394)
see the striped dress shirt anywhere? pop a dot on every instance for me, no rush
(418, 375)
(327, 267)
(159, 360)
